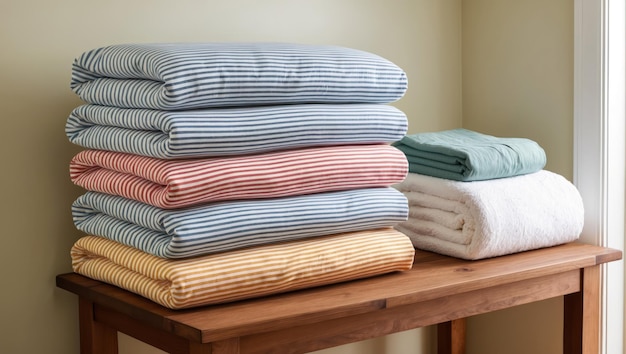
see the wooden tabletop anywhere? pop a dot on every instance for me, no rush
(432, 277)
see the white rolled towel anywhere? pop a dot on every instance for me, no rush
(482, 219)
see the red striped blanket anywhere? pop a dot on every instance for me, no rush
(178, 183)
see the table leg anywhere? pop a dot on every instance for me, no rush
(451, 337)
(95, 338)
(581, 327)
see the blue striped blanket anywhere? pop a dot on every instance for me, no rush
(174, 76)
(223, 226)
(231, 131)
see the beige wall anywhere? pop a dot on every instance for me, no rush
(518, 81)
(39, 39)
(518, 72)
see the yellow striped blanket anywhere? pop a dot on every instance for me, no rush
(245, 273)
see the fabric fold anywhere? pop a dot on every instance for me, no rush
(465, 155)
(172, 184)
(232, 131)
(176, 76)
(225, 226)
(482, 219)
(246, 273)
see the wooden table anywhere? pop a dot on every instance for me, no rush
(438, 290)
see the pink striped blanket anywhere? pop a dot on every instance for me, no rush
(172, 184)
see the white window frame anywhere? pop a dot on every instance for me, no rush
(599, 145)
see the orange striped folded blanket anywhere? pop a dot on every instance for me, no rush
(172, 184)
(245, 273)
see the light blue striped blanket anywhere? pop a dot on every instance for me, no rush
(175, 76)
(465, 155)
(232, 131)
(219, 227)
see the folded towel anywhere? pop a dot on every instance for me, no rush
(473, 220)
(225, 226)
(173, 76)
(232, 131)
(171, 184)
(246, 273)
(465, 155)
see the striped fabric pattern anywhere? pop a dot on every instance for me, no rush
(171, 184)
(245, 273)
(176, 76)
(232, 131)
(225, 226)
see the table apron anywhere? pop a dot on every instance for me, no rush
(311, 337)
(315, 336)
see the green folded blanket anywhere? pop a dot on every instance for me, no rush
(465, 155)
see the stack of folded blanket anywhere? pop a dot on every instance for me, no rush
(475, 196)
(223, 171)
